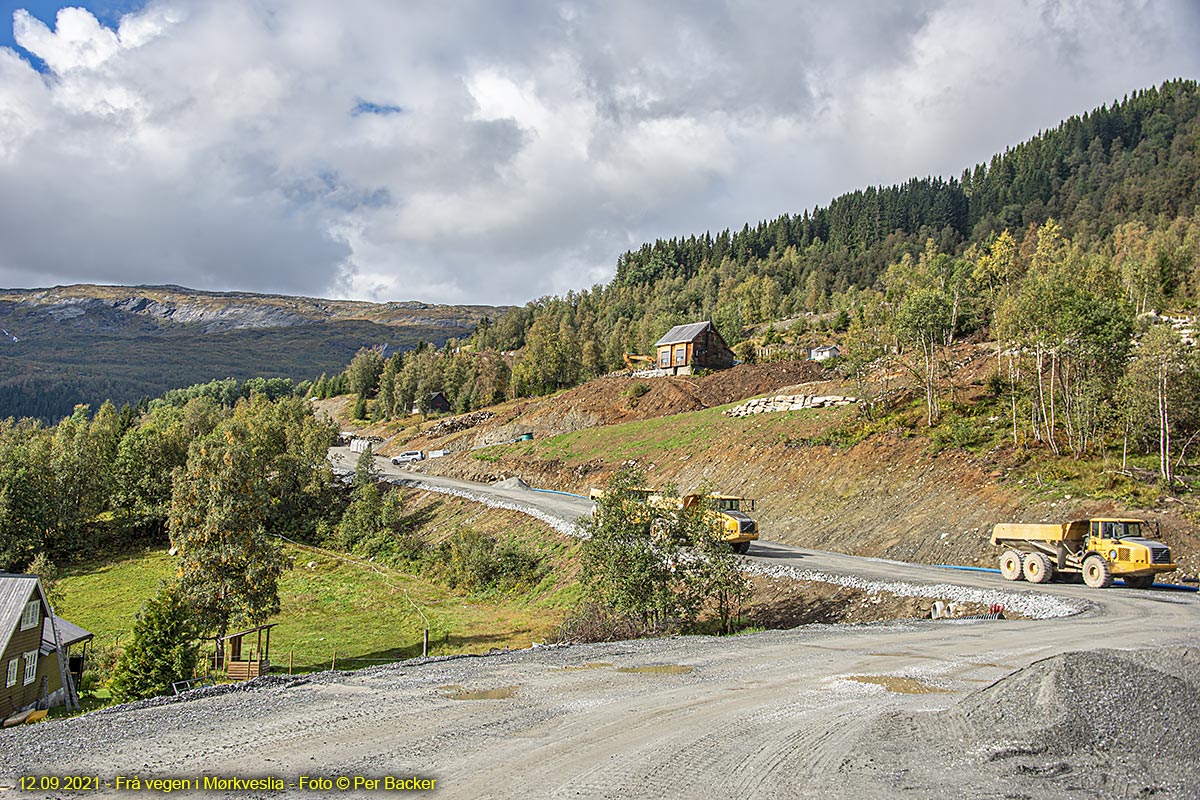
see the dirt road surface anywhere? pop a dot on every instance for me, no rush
(799, 713)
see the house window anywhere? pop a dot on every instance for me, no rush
(29, 619)
(664, 357)
(12, 673)
(30, 666)
(681, 354)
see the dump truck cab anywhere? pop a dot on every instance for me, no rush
(731, 514)
(1128, 547)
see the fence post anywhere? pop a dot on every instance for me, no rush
(425, 645)
(291, 659)
(333, 664)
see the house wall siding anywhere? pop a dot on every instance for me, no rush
(22, 695)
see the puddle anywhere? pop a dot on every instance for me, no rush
(658, 669)
(590, 665)
(456, 692)
(896, 683)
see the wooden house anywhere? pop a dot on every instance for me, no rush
(32, 675)
(435, 403)
(688, 348)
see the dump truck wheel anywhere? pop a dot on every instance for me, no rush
(1011, 565)
(1096, 573)
(1139, 582)
(1038, 568)
(741, 548)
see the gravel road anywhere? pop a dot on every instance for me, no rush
(912, 709)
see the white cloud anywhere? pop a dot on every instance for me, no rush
(228, 145)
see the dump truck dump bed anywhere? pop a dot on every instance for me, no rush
(1050, 532)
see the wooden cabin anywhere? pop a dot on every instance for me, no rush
(824, 352)
(688, 348)
(435, 403)
(240, 662)
(32, 674)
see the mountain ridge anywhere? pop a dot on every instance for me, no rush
(86, 343)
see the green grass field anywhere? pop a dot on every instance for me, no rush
(337, 604)
(330, 606)
(671, 436)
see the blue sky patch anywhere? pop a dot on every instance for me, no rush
(367, 107)
(109, 12)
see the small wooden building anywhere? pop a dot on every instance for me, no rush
(69, 634)
(242, 663)
(688, 348)
(824, 352)
(435, 403)
(32, 675)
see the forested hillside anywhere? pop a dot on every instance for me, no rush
(1057, 248)
(1122, 182)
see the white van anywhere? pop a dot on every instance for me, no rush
(408, 456)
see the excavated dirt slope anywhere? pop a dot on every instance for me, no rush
(887, 496)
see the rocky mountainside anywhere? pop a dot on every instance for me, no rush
(86, 344)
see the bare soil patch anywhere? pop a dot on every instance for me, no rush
(785, 603)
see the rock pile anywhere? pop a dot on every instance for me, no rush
(788, 402)
(459, 423)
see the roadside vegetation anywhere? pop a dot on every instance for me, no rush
(235, 482)
(653, 569)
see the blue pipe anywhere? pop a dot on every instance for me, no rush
(968, 569)
(555, 491)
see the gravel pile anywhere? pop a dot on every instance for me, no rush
(1097, 724)
(1138, 707)
(1029, 604)
(511, 483)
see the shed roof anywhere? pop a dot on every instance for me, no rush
(69, 632)
(684, 333)
(15, 591)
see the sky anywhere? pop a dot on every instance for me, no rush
(495, 152)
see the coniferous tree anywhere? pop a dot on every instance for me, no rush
(164, 649)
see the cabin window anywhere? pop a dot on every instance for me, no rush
(30, 666)
(29, 618)
(664, 357)
(12, 674)
(681, 354)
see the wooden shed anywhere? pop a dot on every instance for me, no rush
(435, 403)
(241, 663)
(696, 346)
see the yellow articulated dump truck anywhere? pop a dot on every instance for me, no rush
(1099, 549)
(729, 514)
